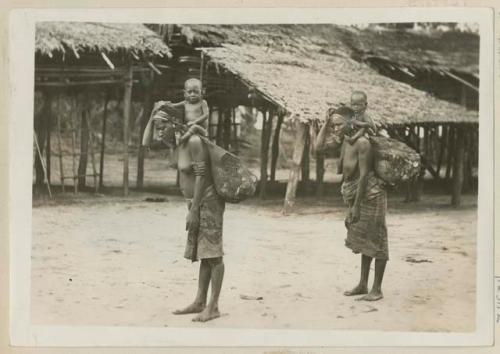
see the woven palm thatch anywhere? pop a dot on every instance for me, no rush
(306, 85)
(306, 68)
(453, 50)
(61, 37)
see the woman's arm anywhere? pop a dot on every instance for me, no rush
(364, 164)
(199, 159)
(321, 137)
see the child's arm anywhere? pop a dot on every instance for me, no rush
(204, 114)
(178, 104)
(351, 140)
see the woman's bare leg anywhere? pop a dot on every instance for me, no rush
(217, 275)
(362, 287)
(201, 296)
(376, 291)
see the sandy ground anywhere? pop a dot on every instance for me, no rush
(116, 261)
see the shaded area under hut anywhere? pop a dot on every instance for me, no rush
(293, 73)
(80, 67)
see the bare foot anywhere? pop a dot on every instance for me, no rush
(358, 290)
(193, 308)
(207, 315)
(374, 295)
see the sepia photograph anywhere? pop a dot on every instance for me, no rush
(261, 176)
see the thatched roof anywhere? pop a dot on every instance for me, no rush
(458, 51)
(63, 37)
(453, 50)
(306, 68)
(306, 85)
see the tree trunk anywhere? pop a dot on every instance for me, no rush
(298, 150)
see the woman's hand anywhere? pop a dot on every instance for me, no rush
(193, 219)
(354, 214)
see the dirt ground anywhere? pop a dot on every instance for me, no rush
(118, 261)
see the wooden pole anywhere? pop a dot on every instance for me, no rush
(320, 173)
(235, 131)
(92, 154)
(220, 121)
(41, 132)
(147, 108)
(305, 169)
(267, 121)
(227, 128)
(48, 126)
(127, 97)
(84, 142)
(458, 168)
(442, 146)
(276, 147)
(72, 120)
(42, 163)
(59, 143)
(103, 142)
(450, 150)
(298, 150)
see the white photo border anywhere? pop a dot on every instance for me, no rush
(21, 82)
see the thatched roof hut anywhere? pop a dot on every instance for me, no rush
(68, 39)
(437, 50)
(80, 59)
(305, 68)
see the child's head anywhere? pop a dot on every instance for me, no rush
(192, 90)
(359, 101)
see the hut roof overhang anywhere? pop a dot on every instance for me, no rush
(73, 38)
(305, 85)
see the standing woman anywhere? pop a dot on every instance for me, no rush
(205, 213)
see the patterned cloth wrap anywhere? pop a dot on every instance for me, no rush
(206, 241)
(368, 235)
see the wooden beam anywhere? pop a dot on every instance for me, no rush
(458, 168)
(103, 141)
(462, 81)
(298, 150)
(84, 142)
(147, 108)
(276, 147)
(306, 160)
(127, 98)
(267, 121)
(48, 126)
(59, 143)
(320, 173)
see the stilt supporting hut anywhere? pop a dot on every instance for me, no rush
(84, 66)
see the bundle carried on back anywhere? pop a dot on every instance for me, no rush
(394, 161)
(233, 181)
